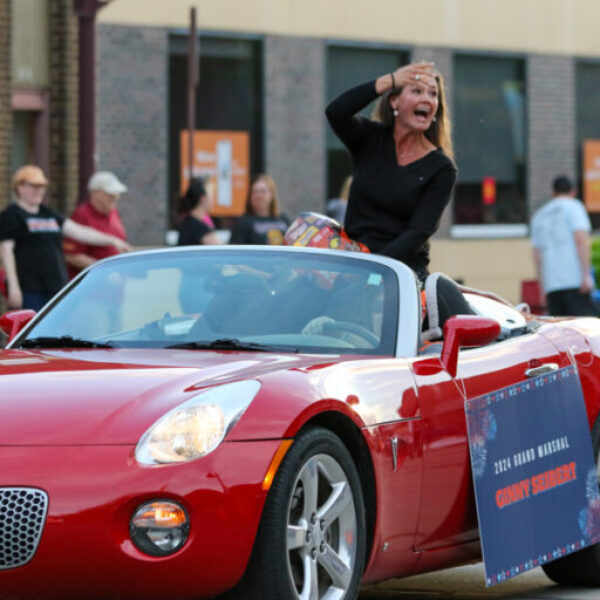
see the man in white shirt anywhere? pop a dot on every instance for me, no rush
(560, 236)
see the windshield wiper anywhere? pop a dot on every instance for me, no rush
(63, 341)
(226, 344)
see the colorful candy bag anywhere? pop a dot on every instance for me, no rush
(319, 231)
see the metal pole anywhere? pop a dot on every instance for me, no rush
(86, 11)
(192, 83)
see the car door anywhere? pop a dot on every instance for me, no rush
(385, 397)
(447, 513)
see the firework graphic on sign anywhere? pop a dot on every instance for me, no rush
(592, 491)
(589, 517)
(478, 456)
(482, 423)
(482, 428)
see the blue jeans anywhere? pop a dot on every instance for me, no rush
(34, 300)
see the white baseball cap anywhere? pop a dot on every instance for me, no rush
(108, 182)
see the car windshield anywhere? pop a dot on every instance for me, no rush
(228, 300)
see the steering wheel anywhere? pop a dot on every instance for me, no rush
(348, 327)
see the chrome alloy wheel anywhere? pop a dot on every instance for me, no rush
(321, 540)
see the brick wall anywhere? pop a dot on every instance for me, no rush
(63, 87)
(551, 121)
(132, 124)
(295, 121)
(442, 57)
(5, 107)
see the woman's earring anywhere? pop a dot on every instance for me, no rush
(395, 112)
(434, 119)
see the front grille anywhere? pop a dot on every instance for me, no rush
(22, 517)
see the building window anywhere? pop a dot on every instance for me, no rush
(23, 148)
(229, 97)
(30, 65)
(29, 43)
(587, 90)
(489, 113)
(347, 67)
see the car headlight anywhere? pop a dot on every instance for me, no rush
(196, 427)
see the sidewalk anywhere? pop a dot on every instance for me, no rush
(468, 583)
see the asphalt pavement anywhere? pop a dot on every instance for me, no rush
(468, 583)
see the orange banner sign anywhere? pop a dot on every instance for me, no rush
(222, 158)
(591, 175)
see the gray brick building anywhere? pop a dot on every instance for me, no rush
(135, 106)
(295, 123)
(552, 124)
(132, 122)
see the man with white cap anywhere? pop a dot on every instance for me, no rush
(99, 212)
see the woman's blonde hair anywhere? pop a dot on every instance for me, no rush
(439, 132)
(270, 183)
(345, 188)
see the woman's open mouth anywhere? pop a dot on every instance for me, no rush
(422, 114)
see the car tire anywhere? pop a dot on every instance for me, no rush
(581, 568)
(312, 535)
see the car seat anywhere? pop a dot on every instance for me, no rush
(239, 306)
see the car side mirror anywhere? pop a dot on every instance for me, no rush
(463, 331)
(11, 323)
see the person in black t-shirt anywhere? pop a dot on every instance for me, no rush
(194, 206)
(31, 242)
(403, 172)
(262, 223)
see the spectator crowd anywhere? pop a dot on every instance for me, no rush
(41, 249)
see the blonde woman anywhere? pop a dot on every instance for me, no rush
(262, 223)
(403, 168)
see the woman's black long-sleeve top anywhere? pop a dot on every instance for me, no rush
(392, 209)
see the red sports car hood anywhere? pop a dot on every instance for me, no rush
(111, 396)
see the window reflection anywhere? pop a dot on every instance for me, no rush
(294, 302)
(490, 138)
(587, 81)
(347, 67)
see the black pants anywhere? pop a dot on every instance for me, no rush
(571, 303)
(450, 302)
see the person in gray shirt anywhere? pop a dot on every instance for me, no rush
(560, 236)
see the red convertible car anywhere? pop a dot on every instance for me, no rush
(253, 422)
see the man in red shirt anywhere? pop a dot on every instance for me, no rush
(99, 212)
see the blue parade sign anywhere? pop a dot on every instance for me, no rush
(535, 480)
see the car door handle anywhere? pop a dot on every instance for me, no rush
(541, 370)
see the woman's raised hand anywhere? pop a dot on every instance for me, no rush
(421, 71)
